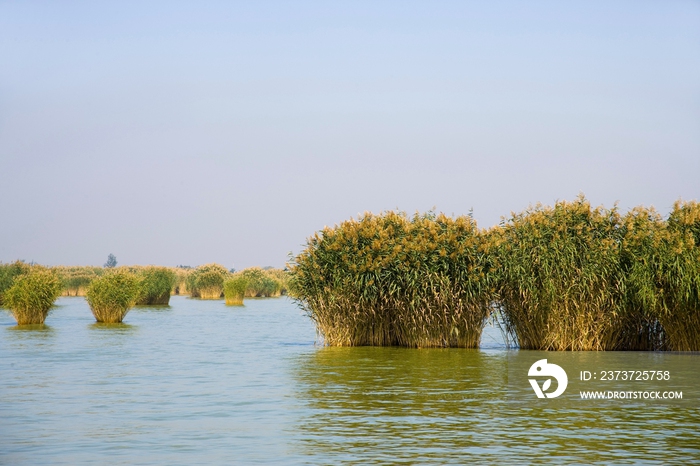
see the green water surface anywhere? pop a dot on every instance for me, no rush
(198, 382)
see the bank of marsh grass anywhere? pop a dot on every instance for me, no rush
(391, 279)
(32, 294)
(112, 295)
(156, 284)
(207, 281)
(234, 289)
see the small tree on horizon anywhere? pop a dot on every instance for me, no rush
(111, 262)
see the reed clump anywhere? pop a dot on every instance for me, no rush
(32, 295)
(8, 273)
(660, 262)
(559, 284)
(156, 285)
(262, 283)
(112, 295)
(235, 288)
(207, 281)
(645, 238)
(391, 279)
(679, 312)
(281, 277)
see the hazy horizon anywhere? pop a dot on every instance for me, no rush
(178, 133)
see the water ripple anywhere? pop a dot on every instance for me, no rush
(200, 382)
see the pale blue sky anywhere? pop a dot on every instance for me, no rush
(193, 132)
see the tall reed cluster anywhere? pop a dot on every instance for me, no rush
(235, 288)
(281, 277)
(113, 294)
(156, 284)
(207, 281)
(660, 266)
(577, 278)
(567, 277)
(32, 294)
(264, 283)
(391, 279)
(645, 246)
(678, 284)
(559, 280)
(8, 273)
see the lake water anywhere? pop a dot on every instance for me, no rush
(198, 382)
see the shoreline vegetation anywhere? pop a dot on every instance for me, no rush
(563, 278)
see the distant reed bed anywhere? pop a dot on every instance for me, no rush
(265, 283)
(391, 279)
(29, 291)
(207, 281)
(181, 274)
(76, 279)
(281, 277)
(156, 284)
(210, 281)
(255, 282)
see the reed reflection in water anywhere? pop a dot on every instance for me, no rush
(375, 405)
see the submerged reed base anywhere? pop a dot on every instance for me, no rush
(442, 324)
